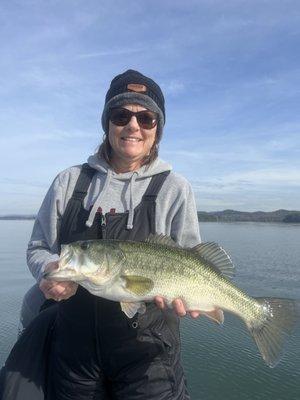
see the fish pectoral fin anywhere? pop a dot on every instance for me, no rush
(138, 285)
(216, 315)
(130, 309)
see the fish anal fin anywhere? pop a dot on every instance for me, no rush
(216, 315)
(130, 309)
(138, 285)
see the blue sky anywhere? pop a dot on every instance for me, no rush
(230, 71)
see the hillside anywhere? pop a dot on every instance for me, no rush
(284, 216)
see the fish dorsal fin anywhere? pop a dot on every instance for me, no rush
(161, 239)
(138, 285)
(217, 256)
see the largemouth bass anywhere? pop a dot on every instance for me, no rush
(133, 273)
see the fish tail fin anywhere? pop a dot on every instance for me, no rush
(269, 333)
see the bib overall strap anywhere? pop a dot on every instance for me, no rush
(155, 186)
(83, 182)
(74, 204)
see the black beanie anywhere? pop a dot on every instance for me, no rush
(132, 87)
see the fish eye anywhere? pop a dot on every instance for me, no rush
(84, 245)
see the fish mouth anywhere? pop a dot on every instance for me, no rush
(66, 267)
(60, 274)
(46, 275)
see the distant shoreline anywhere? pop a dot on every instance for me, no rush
(17, 217)
(281, 216)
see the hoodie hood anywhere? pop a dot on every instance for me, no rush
(156, 167)
(146, 171)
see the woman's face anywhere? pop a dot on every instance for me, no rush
(130, 143)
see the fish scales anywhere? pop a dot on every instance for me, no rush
(178, 267)
(135, 272)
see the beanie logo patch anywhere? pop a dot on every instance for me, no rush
(135, 87)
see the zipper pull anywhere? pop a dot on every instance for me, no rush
(102, 216)
(103, 226)
(103, 220)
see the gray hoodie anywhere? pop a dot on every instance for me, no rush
(176, 213)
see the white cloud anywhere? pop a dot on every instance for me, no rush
(230, 73)
(249, 191)
(173, 87)
(111, 52)
(268, 179)
(60, 135)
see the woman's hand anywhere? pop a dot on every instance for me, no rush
(57, 290)
(178, 307)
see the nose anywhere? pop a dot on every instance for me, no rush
(133, 123)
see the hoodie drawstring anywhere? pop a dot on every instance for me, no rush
(97, 203)
(131, 205)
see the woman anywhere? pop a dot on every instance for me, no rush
(123, 192)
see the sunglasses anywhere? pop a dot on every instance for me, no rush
(121, 117)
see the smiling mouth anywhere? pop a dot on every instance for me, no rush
(131, 139)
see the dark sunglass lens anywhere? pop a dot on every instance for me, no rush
(147, 120)
(120, 116)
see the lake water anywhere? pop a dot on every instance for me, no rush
(221, 363)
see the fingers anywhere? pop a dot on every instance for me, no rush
(69, 291)
(46, 286)
(64, 290)
(159, 301)
(58, 290)
(179, 307)
(181, 311)
(194, 314)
